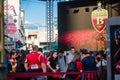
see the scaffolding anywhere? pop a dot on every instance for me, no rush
(50, 29)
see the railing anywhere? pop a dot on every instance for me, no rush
(89, 75)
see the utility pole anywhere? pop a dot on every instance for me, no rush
(2, 67)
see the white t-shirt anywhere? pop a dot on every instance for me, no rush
(104, 63)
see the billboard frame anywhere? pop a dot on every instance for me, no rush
(114, 21)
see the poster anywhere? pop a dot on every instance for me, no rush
(115, 51)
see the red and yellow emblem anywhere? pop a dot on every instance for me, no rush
(99, 17)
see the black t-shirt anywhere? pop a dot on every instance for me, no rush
(53, 62)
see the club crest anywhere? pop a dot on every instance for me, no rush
(99, 17)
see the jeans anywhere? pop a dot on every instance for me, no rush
(38, 78)
(66, 78)
(82, 76)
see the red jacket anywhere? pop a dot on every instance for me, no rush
(79, 67)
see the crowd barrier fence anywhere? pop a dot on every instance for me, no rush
(88, 75)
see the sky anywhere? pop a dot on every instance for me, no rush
(35, 11)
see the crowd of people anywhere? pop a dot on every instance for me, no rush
(56, 61)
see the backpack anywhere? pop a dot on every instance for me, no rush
(72, 68)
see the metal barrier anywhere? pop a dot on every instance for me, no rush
(89, 75)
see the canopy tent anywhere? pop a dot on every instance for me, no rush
(53, 46)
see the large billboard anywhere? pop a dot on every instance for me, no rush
(75, 26)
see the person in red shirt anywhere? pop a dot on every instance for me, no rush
(35, 62)
(13, 61)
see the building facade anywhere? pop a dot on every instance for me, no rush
(37, 35)
(13, 23)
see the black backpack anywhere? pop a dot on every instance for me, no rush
(72, 68)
